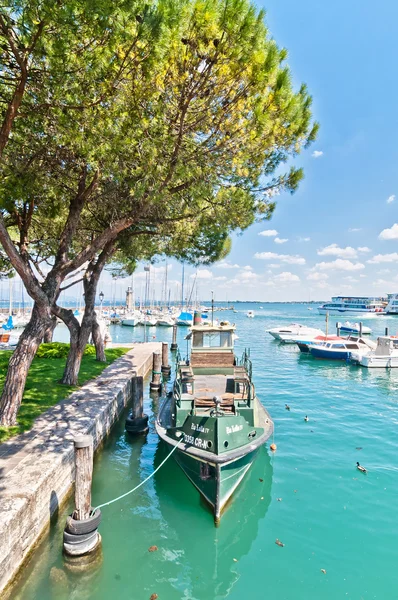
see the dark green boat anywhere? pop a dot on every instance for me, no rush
(214, 415)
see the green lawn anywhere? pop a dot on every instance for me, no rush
(42, 388)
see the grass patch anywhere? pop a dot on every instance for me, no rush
(43, 389)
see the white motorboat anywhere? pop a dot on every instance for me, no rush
(250, 314)
(385, 355)
(349, 327)
(166, 321)
(132, 320)
(291, 333)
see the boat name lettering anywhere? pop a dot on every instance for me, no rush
(200, 428)
(199, 443)
(234, 428)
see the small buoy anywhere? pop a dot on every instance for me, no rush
(279, 543)
(306, 419)
(152, 548)
(273, 447)
(287, 407)
(235, 559)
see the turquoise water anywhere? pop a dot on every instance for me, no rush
(329, 516)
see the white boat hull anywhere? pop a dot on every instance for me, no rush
(383, 362)
(130, 322)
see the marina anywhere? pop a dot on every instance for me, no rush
(307, 494)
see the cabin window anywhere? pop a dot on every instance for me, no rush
(197, 341)
(211, 339)
(352, 346)
(225, 337)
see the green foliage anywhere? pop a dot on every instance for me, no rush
(60, 350)
(43, 389)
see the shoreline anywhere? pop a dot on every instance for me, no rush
(37, 468)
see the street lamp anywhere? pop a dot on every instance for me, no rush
(101, 297)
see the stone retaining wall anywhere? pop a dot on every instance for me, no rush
(37, 469)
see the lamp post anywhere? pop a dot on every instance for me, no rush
(101, 297)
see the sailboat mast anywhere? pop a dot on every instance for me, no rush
(182, 287)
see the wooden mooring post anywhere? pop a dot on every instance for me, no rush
(81, 535)
(156, 383)
(137, 421)
(166, 368)
(174, 340)
(84, 476)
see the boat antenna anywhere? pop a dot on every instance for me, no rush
(212, 308)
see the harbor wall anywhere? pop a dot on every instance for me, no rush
(37, 468)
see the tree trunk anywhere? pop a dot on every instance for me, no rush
(48, 334)
(79, 335)
(18, 367)
(98, 341)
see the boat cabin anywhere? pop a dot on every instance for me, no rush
(386, 345)
(212, 346)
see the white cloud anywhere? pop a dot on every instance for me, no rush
(246, 275)
(317, 154)
(247, 268)
(391, 199)
(269, 233)
(351, 279)
(286, 277)
(390, 234)
(227, 265)
(354, 229)
(339, 265)
(303, 239)
(286, 258)
(383, 258)
(202, 274)
(362, 275)
(363, 249)
(335, 250)
(280, 240)
(317, 276)
(220, 278)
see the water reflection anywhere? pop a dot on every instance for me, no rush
(211, 554)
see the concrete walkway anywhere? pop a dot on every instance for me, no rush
(37, 467)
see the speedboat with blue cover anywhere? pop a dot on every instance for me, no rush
(213, 415)
(341, 349)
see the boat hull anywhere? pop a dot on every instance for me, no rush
(381, 362)
(353, 311)
(329, 354)
(215, 482)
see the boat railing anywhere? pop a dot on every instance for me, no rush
(246, 362)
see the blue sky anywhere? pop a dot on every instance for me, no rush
(346, 52)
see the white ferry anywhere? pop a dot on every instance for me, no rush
(392, 306)
(354, 305)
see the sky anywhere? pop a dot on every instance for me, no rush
(338, 234)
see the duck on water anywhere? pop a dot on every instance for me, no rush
(214, 415)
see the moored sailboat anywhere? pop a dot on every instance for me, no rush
(214, 415)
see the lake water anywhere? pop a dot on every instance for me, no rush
(308, 494)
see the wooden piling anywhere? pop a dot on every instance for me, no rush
(137, 421)
(84, 475)
(360, 329)
(155, 383)
(165, 359)
(174, 340)
(386, 331)
(137, 393)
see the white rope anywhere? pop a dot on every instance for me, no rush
(142, 482)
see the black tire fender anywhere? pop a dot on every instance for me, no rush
(73, 538)
(84, 526)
